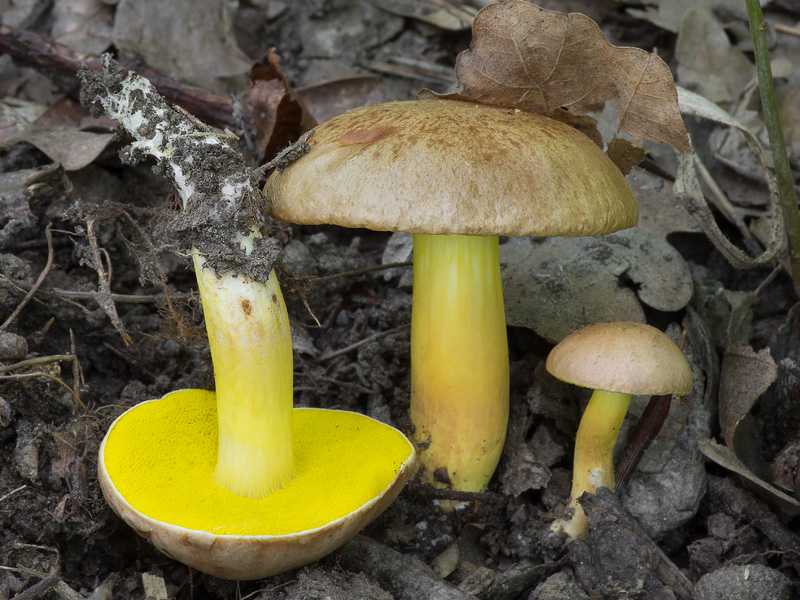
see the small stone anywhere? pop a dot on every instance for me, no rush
(560, 586)
(12, 346)
(743, 582)
(26, 450)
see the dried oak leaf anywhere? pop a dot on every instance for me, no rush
(541, 61)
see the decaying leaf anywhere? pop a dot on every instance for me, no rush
(625, 154)
(707, 62)
(745, 376)
(280, 117)
(668, 14)
(73, 148)
(557, 285)
(730, 146)
(330, 98)
(541, 61)
(83, 25)
(688, 192)
(168, 35)
(445, 15)
(725, 457)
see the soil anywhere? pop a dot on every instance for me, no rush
(77, 355)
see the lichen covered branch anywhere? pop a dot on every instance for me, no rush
(219, 195)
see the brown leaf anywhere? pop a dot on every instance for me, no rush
(538, 60)
(279, 115)
(725, 457)
(333, 97)
(745, 376)
(625, 154)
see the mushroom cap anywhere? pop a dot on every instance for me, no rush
(632, 358)
(452, 167)
(155, 470)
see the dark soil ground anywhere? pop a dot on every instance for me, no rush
(75, 372)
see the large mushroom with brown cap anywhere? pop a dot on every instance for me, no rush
(616, 360)
(457, 175)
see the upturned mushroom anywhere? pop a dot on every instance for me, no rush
(235, 483)
(457, 175)
(616, 360)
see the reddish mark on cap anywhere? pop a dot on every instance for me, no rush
(365, 137)
(247, 308)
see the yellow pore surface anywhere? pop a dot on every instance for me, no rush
(160, 455)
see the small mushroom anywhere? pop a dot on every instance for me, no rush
(616, 360)
(457, 175)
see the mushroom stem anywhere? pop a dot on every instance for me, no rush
(251, 348)
(459, 359)
(593, 465)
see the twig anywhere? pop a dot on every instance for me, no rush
(77, 372)
(360, 271)
(39, 589)
(427, 491)
(783, 171)
(119, 298)
(48, 232)
(43, 360)
(50, 57)
(409, 72)
(95, 260)
(12, 492)
(722, 202)
(767, 281)
(288, 155)
(786, 29)
(35, 374)
(360, 343)
(39, 360)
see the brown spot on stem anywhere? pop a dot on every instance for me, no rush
(247, 308)
(442, 476)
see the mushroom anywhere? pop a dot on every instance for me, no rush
(457, 175)
(616, 360)
(235, 483)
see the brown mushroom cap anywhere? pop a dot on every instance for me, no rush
(451, 167)
(631, 358)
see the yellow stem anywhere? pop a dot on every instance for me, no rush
(594, 453)
(251, 348)
(459, 359)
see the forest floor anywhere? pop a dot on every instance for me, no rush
(99, 312)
